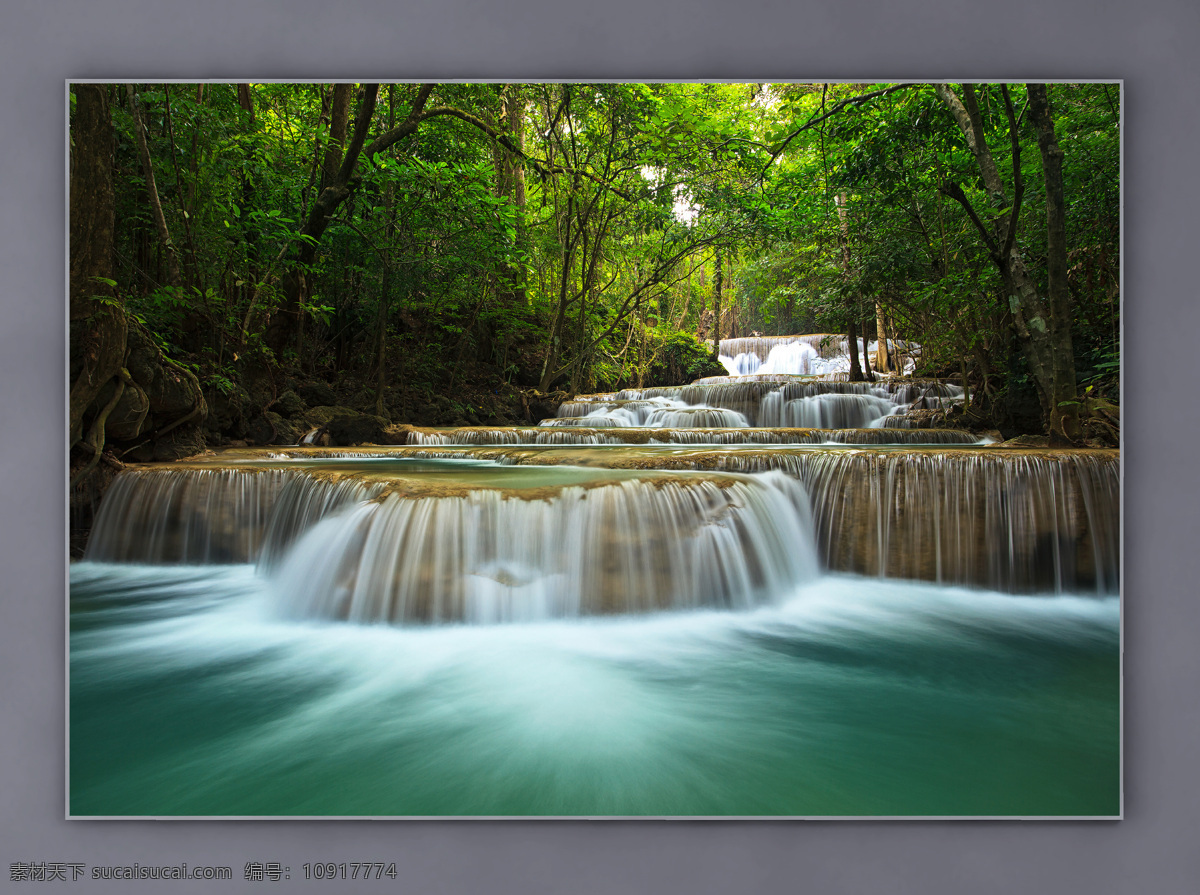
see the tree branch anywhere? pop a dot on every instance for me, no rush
(1018, 183)
(954, 191)
(837, 107)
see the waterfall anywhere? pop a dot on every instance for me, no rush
(631, 546)
(832, 411)
(1015, 522)
(652, 412)
(761, 400)
(580, 434)
(1007, 520)
(185, 515)
(819, 354)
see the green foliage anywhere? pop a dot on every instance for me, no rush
(593, 254)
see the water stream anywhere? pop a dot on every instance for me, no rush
(738, 597)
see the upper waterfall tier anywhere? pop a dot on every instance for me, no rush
(758, 401)
(581, 434)
(817, 354)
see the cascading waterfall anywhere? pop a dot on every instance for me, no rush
(651, 412)
(643, 435)
(1007, 521)
(185, 515)
(691, 600)
(632, 546)
(818, 354)
(829, 411)
(762, 400)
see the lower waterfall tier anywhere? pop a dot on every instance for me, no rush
(630, 546)
(495, 529)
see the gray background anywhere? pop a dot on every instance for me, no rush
(1152, 46)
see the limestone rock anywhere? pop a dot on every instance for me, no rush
(290, 405)
(347, 429)
(317, 394)
(271, 428)
(319, 416)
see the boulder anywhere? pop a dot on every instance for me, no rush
(350, 429)
(319, 416)
(130, 417)
(290, 405)
(317, 394)
(271, 428)
(185, 441)
(231, 413)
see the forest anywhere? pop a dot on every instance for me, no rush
(251, 260)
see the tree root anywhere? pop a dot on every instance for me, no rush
(95, 436)
(107, 459)
(174, 424)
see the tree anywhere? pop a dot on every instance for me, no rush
(1043, 323)
(111, 395)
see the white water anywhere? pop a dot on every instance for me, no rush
(648, 413)
(630, 546)
(804, 355)
(846, 696)
(760, 401)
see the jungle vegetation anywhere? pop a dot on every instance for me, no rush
(453, 253)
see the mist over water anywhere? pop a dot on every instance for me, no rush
(191, 696)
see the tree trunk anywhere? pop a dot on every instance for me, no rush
(283, 330)
(339, 123)
(867, 374)
(1043, 327)
(852, 343)
(1064, 409)
(385, 287)
(97, 319)
(882, 355)
(512, 182)
(156, 212)
(718, 283)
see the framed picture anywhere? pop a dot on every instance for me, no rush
(563, 449)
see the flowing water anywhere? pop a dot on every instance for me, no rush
(850, 696)
(758, 400)
(740, 597)
(821, 354)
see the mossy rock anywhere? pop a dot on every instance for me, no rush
(229, 413)
(317, 394)
(271, 428)
(397, 433)
(186, 441)
(143, 359)
(171, 389)
(350, 429)
(290, 405)
(129, 418)
(319, 416)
